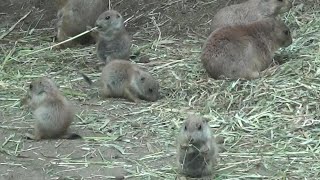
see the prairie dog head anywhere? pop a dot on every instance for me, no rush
(110, 21)
(40, 89)
(281, 33)
(146, 85)
(195, 130)
(276, 6)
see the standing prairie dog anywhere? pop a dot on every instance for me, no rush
(52, 112)
(249, 11)
(196, 148)
(122, 79)
(243, 51)
(113, 41)
(74, 16)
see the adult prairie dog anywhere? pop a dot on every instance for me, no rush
(74, 16)
(197, 150)
(113, 41)
(52, 112)
(122, 79)
(249, 11)
(243, 51)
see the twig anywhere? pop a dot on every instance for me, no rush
(157, 26)
(12, 27)
(70, 39)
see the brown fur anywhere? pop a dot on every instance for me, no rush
(60, 3)
(113, 40)
(249, 11)
(52, 112)
(243, 51)
(197, 150)
(122, 79)
(74, 16)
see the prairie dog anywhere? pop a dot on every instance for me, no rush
(52, 112)
(243, 51)
(122, 79)
(74, 16)
(113, 41)
(196, 148)
(249, 11)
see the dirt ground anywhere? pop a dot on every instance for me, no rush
(121, 139)
(173, 18)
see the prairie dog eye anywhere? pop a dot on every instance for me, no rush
(107, 18)
(185, 128)
(30, 86)
(286, 32)
(200, 127)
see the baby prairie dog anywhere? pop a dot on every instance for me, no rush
(249, 11)
(52, 112)
(113, 40)
(243, 51)
(74, 16)
(122, 79)
(196, 148)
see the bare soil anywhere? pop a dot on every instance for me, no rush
(174, 18)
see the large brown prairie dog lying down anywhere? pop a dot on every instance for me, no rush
(197, 150)
(243, 51)
(52, 112)
(249, 11)
(74, 16)
(122, 79)
(113, 40)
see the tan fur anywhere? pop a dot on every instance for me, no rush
(74, 16)
(52, 112)
(243, 51)
(60, 3)
(197, 150)
(122, 79)
(113, 40)
(249, 11)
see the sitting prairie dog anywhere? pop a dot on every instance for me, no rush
(113, 41)
(243, 51)
(122, 79)
(249, 11)
(74, 16)
(52, 112)
(197, 150)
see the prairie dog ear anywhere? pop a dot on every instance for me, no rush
(206, 120)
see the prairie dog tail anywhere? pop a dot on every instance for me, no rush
(87, 79)
(95, 84)
(71, 136)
